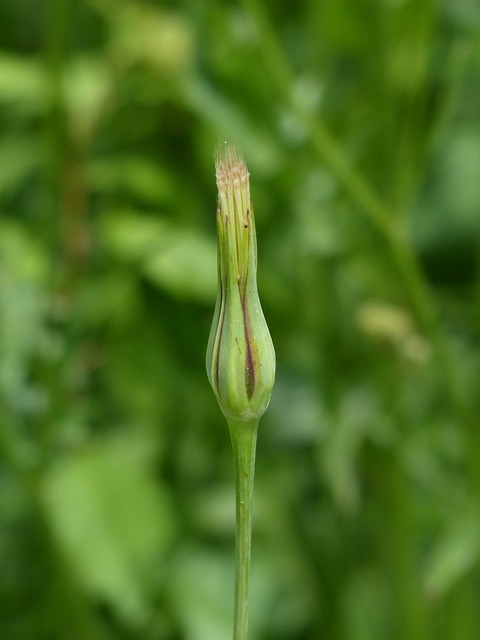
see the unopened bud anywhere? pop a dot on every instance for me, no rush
(240, 354)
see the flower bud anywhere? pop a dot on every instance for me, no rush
(240, 354)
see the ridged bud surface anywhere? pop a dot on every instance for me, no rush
(240, 354)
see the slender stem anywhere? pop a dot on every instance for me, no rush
(244, 439)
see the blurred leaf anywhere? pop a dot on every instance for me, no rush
(201, 585)
(87, 86)
(181, 262)
(227, 120)
(359, 418)
(20, 156)
(450, 213)
(23, 306)
(113, 521)
(185, 266)
(298, 403)
(135, 176)
(22, 81)
(148, 34)
(454, 556)
(113, 300)
(22, 257)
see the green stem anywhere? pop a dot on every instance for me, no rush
(244, 439)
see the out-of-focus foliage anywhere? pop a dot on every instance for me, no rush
(360, 123)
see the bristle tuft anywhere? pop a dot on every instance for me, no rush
(230, 168)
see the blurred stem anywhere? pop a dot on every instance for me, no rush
(244, 440)
(324, 143)
(55, 40)
(377, 211)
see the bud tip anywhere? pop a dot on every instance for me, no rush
(230, 168)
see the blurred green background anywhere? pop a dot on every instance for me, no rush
(360, 123)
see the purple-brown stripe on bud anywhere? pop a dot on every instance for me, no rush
(240, 354)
